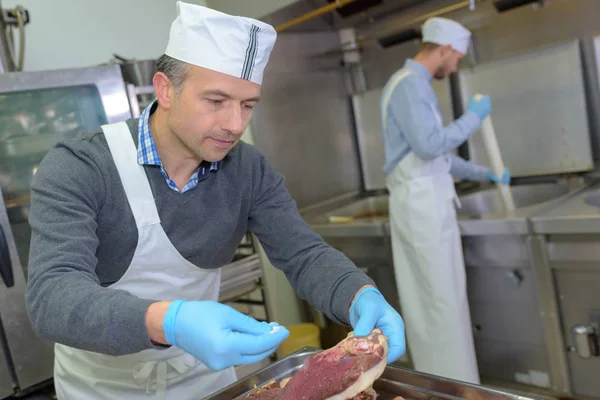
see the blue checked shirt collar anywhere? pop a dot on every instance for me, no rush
(148, 155)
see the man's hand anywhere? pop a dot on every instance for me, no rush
(217, 335)
(505, 179)
(369, 310)
(480, 105)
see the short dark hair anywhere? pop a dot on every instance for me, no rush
(174, 69)
(428, 46)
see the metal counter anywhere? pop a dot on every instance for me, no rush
(567, 243)
(395, 381)
(516, 323)
(480, 212)
(579, 214)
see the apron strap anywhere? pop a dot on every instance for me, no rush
(133, 176)
(142, 372)
(387, 96)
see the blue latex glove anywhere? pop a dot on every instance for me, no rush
(481, 107)
(218, 335)
(504, 180)
(369, 311)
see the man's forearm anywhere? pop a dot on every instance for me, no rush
(155, 315)
(463, 169)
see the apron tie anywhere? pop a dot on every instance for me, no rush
(142, 372)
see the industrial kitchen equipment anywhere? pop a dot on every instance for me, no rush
(545, 115)
(138, 76)
(37, 109)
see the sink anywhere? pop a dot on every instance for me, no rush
(488, 201)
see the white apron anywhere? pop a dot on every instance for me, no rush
(428, 263)
(157, 271)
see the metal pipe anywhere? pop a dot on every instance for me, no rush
(315, 13)
(439, 12)
(6, 61)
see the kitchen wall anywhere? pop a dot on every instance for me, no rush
(249, 8)
(303, 123)
(79, 33)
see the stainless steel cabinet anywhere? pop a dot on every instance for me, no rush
(507, 328)
(6, 380)
(579, 294)
(575, 262)
(28, 359)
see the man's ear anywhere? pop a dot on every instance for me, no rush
(165, 91)
(446, 50)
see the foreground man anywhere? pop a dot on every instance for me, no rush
(131, 223)
(426, 245)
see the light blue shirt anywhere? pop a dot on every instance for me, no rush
(413, 125)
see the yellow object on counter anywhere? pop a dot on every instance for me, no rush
(340, 220)
(301, 335)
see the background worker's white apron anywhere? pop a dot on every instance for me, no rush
(157, 271)
(428, 262)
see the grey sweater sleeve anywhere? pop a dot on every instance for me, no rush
(64, 298)
(323, 276)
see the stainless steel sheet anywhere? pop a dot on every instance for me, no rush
(539, 110)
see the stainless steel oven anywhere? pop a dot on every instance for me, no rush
(37, 109)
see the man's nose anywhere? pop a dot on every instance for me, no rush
(233, 120)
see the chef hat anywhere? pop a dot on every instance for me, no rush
(445, 31)
(237, 46)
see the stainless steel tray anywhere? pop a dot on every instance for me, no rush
(395, 381)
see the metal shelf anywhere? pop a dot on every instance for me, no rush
(243, 277)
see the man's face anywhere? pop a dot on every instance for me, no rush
(449, 59)
(212, 111)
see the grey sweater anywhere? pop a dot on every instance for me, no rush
(84, 237)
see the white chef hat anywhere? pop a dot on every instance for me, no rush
(237, 46)
(445, 31)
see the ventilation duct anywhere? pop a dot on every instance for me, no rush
(507, 5)
(398, 38)
(356, 7)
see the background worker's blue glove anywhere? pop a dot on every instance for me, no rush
(481, 107)
(218, 335)
(504, 180)
(369, 311)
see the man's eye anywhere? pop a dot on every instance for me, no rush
(215, 102)
(248, 106)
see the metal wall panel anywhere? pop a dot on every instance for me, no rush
(303, 123)
(539, 110)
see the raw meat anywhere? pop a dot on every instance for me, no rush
(346, 371)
